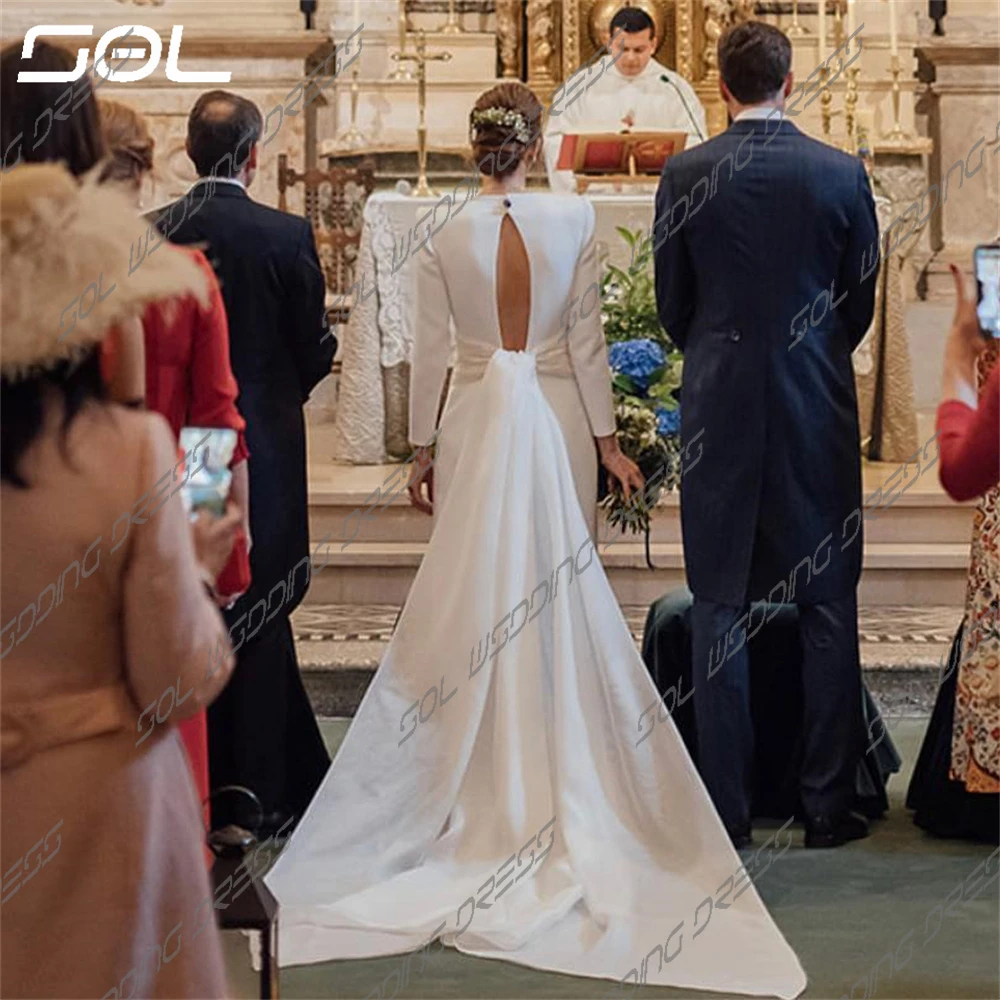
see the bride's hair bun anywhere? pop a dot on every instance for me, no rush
(504, 123)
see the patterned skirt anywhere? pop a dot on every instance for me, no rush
(975, 748)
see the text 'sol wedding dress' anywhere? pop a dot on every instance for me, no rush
(490, 792)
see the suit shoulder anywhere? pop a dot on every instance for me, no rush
(829, 155)
(288, 226)
(707, 152)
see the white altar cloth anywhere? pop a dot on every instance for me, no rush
(370, 425)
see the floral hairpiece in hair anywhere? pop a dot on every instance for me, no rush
(502, 116)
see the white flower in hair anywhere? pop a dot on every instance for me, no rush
(512, 119)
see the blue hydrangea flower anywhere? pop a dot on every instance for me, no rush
(637, 359)
(668, 422)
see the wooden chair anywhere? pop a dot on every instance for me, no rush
(334, 204)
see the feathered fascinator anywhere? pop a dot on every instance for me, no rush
(66, 250)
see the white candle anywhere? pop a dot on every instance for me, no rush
(821, 7)
(850, 18)
(357, 13)
(893, 30)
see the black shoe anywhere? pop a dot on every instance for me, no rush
(833, 831)
(742, 836)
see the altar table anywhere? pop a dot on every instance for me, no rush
(371, 419)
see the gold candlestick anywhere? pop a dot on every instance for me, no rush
(452, 26)
(838, 24)
(825, 100)
(897, 131)
(421, 58)
(850, 107)
(795, 30)
(352, 137)
(402, 71)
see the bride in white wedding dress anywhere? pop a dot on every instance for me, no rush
(490, 792)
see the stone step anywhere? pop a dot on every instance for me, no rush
(348, 517)
(894, 573)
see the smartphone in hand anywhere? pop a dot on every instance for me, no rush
(986, 265)
(211, 450)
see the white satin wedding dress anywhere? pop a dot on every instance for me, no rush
(490, 792)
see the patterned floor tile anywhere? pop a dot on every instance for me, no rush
(376, 622)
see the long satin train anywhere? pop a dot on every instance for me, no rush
(490, 791)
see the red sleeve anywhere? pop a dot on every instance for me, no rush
(213, 385)
(969, 443)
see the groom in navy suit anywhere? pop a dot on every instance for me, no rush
(760, 236)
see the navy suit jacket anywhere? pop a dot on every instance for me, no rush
(760, 243)
(280, 348)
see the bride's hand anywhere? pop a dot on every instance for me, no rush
(422, 471)
(620, 467)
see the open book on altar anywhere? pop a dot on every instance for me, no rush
(618, 156)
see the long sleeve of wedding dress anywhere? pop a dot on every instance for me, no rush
(588, 349)
(431, 345)
(493, 791)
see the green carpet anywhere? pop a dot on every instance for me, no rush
(843, 911)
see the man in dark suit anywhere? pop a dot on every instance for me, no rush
(262, 732)
(751, 227)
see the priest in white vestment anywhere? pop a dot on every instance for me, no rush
(634, 91)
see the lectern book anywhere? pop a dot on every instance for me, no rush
(597, 153)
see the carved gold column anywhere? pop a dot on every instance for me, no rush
(543, 47)
(508, 14)
(718, 15)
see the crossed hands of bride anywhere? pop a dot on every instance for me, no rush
(619, 467)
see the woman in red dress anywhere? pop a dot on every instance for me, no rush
(188, 376)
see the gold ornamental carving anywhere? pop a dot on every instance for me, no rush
(508, 15)
(719, 15)
(542, 47)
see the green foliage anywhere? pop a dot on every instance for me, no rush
(628, 312)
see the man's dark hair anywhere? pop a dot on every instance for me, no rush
(632, 20)
(35, 125)
(754, 59)
(222, 128)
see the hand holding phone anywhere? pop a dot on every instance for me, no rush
(207, 486)
(964, 344)
(986, 266)
(214, 537)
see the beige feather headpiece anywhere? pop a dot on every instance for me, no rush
(66, 250)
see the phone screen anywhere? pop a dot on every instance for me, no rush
(987, 267)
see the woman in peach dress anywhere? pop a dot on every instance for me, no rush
(104, 611)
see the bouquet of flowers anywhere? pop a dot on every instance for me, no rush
(646, 369)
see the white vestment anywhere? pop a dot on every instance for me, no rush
(600, 103)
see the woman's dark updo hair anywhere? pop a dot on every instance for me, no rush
(496, 149)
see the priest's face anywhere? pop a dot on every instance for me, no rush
(636, 50)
